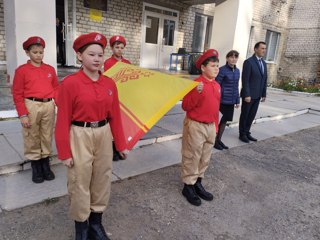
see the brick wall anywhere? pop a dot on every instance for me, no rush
(271, 15)
(302, 53)
(2, 34)
(186, 23)
(125, 18)
(122, 17)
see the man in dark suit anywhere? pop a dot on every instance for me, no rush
(254, 89)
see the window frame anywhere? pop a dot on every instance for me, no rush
(268, 41)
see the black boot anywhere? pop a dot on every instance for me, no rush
(96, 230)
(201, 191)
(37, 174)
(190, 194)
(222, 144)
(47, 173)
(81, 230)
(217, 145)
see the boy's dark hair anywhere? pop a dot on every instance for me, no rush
(233, 53)
(210, 59)
(116, 42)
(36, 44)
(257, 45)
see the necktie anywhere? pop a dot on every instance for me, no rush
(261, 66)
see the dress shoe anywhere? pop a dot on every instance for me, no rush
(96, 230)
(251, 138)
(81, 230)
(202, 192)
(222, 145)
(244, 138)
(47, 173)
(190, 194)
(217, 145)
(37, 173)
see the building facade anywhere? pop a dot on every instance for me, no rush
(156, 28)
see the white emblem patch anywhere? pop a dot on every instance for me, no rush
(98, 37)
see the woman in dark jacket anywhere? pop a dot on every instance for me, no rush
(228, 78)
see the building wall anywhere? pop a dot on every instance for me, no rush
(122, 17)
(301, 57)
(298, 23)
(271, 15)
(186, 23)
(2, 34)
(125, 18)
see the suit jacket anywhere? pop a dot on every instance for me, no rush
(254, 82)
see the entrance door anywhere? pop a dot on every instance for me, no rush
(159, 33)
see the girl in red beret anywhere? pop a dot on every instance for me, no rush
(88, 116)
(33, 90)
(117, 44)
(199, 128)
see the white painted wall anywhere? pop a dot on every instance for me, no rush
(24, 19)
(231, 28)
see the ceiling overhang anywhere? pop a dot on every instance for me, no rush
(196, 2)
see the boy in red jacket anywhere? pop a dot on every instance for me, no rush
(117, 44)
(200, 127)
(33, 90)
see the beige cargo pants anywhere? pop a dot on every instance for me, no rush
(197, 142)
(89, 180)
(38, 138)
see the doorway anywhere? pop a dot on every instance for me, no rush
(65, 12)
(159, 36)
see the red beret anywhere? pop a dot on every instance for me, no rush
(90, 38)
(33, 40)
(117, 38)
(205, 56)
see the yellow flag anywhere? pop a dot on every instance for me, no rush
(145, 96)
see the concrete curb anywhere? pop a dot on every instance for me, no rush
(25, 165)
(292, 92)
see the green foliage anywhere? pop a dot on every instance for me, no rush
(298, 85)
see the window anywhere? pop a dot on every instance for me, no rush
(157, 10)
(201, 33)
(272, 41)
(168, 32)
(152, 30)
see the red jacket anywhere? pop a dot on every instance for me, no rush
(32, 81)
(81, 99)
(112, 61)
(204, 106)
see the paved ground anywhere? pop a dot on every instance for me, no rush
(282, 114)
(263, 191)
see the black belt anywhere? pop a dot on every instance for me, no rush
(91, 124)
(40, 99)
